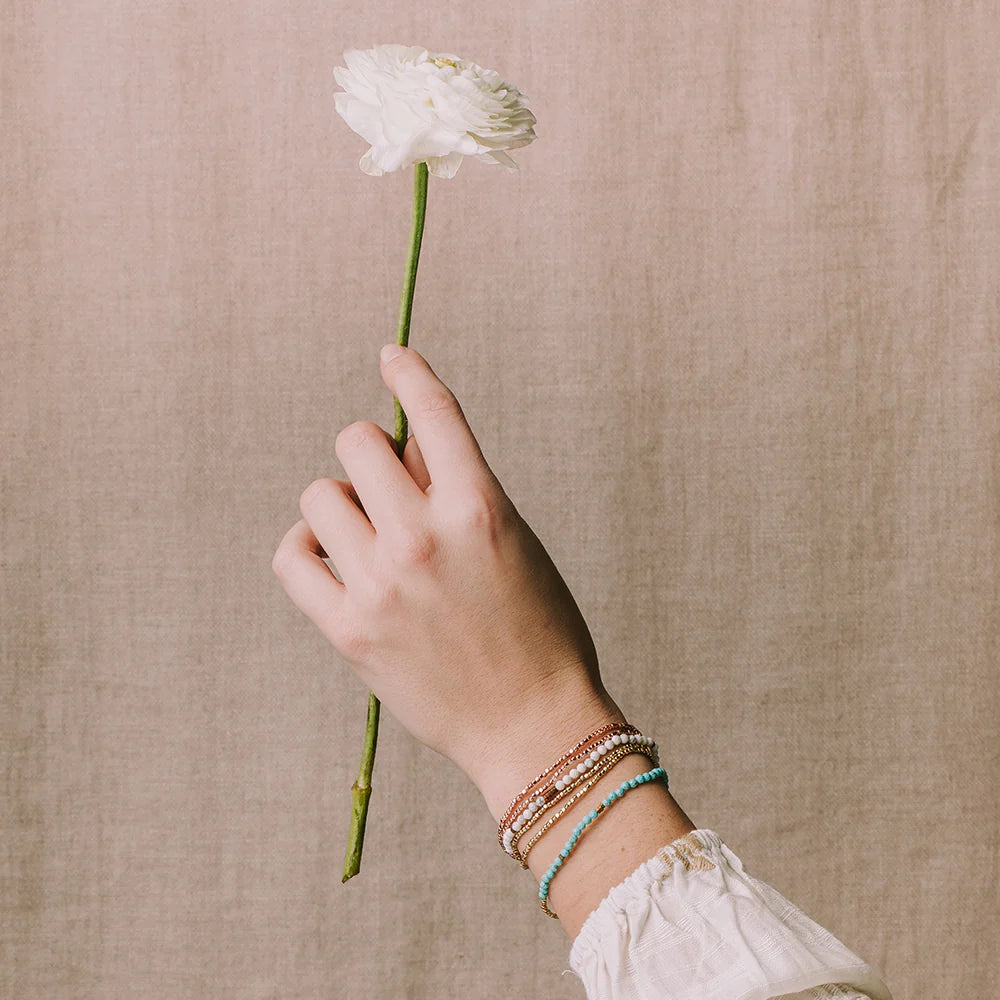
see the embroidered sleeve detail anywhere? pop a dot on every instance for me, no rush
(829, 991)
(687, 851)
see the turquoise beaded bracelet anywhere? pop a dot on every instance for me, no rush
(625, 786)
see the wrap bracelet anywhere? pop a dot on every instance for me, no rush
(591, 779)
(520, 800)
(557, 788)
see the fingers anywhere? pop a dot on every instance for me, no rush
(450, 450)
(383, 483)
(308, 581)
(413, 461)
(339, 525)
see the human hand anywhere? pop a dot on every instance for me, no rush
(449, 608)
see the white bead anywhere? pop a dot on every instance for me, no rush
(616, 739)
(540, 801)
(608, 745)
(560, 785)
(516, 825)
(532, 808)
(594, 755)
(574, 773)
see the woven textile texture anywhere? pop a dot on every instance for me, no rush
(730, 339)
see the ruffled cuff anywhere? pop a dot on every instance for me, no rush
(691, 924)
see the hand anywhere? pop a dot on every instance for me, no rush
(449, 610)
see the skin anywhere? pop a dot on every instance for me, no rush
(450, 610)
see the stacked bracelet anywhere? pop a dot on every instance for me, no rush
(561, 780)
(591, 778)
(596, 754)
(625, 786)
(530, 794)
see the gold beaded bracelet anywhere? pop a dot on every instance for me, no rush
(615, 728)
(603, 733)
(560, 785)
(554, 795)
(591, 779)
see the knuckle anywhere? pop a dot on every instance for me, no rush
(482, 510)
(316, 491)
(417, 547)
(359, 434)
(383, 596)
(438, 402)
(352, 639)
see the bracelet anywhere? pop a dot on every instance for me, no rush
(592, 779)
(557, 788)
(517, 804)
(514, 822)
(561, 784)
(625, 786)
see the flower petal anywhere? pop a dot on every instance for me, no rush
(444, 166)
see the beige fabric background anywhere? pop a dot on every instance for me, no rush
(729, 339)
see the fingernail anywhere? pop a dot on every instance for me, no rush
(391, 351)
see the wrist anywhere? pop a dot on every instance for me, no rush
(535, 739)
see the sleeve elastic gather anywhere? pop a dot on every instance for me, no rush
(691, 924)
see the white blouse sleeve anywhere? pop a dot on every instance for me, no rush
(691, 924)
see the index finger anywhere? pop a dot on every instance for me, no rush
(450, 450)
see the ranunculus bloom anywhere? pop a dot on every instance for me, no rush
(413, 106)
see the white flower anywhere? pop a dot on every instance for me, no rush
(413, 106)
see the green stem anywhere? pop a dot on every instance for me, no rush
(361, 790)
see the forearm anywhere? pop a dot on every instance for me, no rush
(626, 834)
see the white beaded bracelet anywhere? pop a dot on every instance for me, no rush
(565, 782)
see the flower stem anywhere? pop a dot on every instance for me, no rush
(361, 790)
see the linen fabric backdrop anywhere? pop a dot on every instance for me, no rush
(729, 339)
